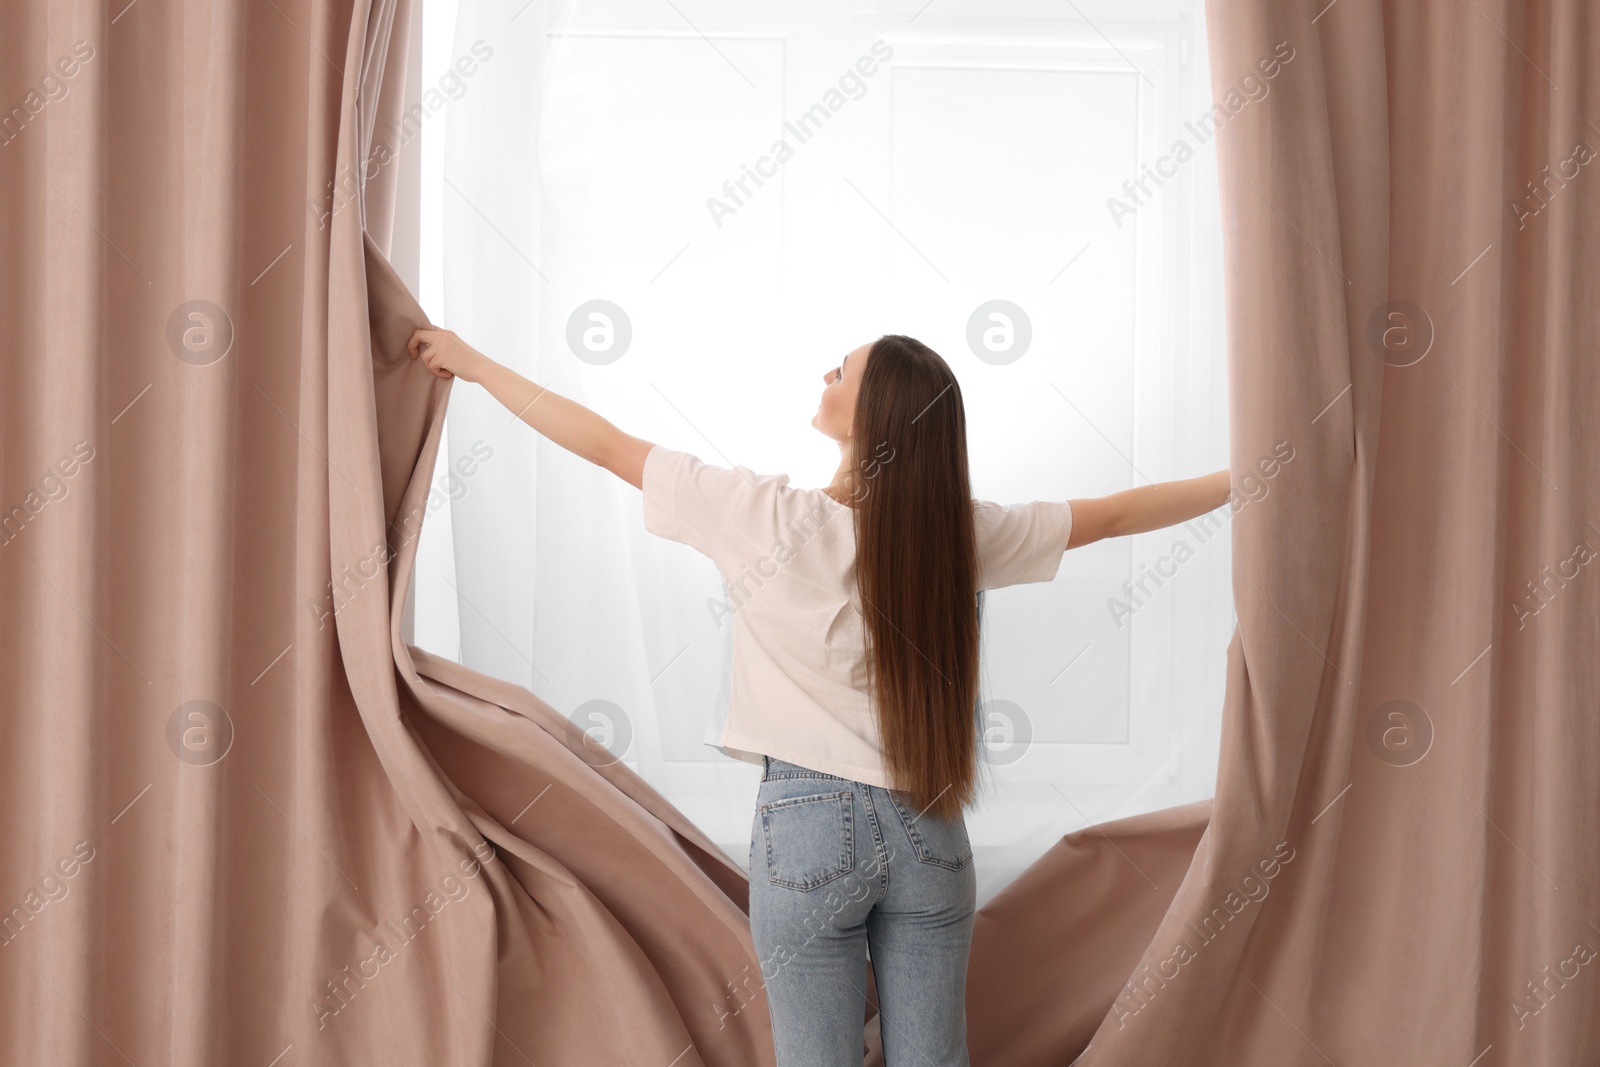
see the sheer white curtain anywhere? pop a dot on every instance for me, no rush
(607, 208)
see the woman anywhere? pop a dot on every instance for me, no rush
(855, 675)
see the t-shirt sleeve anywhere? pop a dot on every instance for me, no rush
(696, 503)
(1020, 543)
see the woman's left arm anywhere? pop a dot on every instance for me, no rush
(1148, 507)
(566, 422)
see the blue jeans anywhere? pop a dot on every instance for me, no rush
(840, 868)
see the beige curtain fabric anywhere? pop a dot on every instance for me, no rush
(1399, 864)
(246, 823)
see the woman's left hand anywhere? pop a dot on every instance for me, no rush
(446, 355)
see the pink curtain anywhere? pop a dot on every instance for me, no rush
(1398, 866)
(246, 823)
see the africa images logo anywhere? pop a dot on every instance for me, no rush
(1249, 88)
(803, 128)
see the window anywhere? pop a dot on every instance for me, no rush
(1003, 181)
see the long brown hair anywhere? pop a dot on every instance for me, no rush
(917, 571)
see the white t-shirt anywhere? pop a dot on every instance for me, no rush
(787, 559)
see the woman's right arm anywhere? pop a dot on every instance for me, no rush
(1147, 507)
(566, 422)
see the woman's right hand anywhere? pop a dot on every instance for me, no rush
(446, 354)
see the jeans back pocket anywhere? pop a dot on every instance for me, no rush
(810, 839)
(941, 842)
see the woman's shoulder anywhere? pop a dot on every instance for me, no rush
(764, 491)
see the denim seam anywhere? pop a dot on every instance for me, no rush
(772, 775)
(877, 842)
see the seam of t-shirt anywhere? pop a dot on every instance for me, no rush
(675, 458)
(790, 575)
(1055, 531)
(761, 487)
(1053, 528)
(646, 482)
(678, 464)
